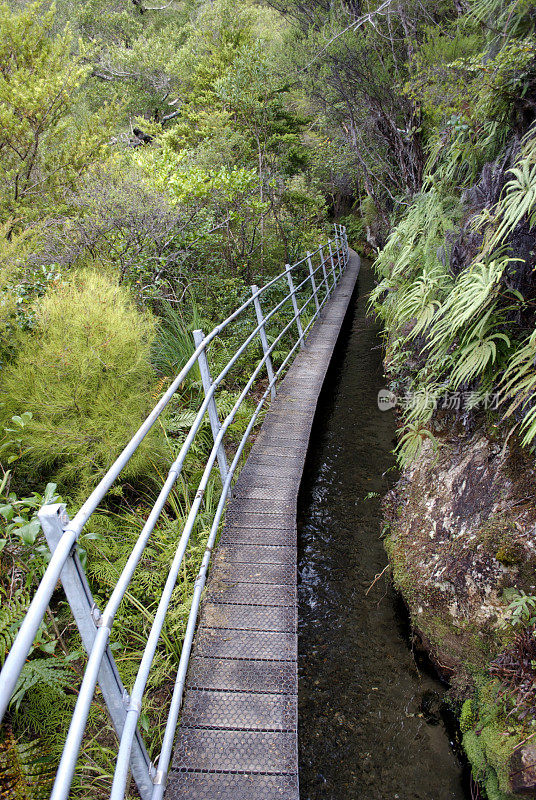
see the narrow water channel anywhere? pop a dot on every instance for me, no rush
(369, 724)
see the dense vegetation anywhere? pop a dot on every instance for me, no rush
(157, 159)
(456, 294)
(154, 163)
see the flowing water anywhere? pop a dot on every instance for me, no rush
(371, 725)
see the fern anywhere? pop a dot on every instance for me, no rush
(420, 300)
(473, 292)
(11, 617)
(26, 769)
(42, 672)
(519, 387)
(174, 344)
(413, 244)
(411, 443)
(180, 421)
(423, 402)
(519, 198)
(506, 18)
(519, 201)
(478, 349)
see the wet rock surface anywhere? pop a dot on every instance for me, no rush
(523, 771)
(461, 543)
(462, 530)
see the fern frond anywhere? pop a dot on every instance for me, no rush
(474, 356)
(411, 443)
(471, 296)
(519, 387)
(41, 672)
(518, 202)
(11, 617)
(26, 769)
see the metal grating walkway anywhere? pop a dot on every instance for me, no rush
(238, 735)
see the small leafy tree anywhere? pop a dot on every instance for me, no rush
(85, 375)
(44, 145)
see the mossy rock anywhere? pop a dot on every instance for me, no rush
(482, 771)
(467, 717)
(486, 741)
(492, 787)
(475, 753)
(498, 750)
(510, 553)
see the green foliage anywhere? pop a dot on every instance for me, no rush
(107, 555)
(250, 146)
(485, 775)
(467, 717)
(19, 286)
(174, 343)
(22, 529)
(470, 76)
(26, 769)
(132, 52)
(49, 677)
(486, 742)
(519, 198)
(415, 282)
(85, 376)
(521, 610)
(460, 330)
(355, 228)
(10, 620)
(411, 442)
(44, 147)
(502, 20)
(236, 154)
(414, 243)
(519, 385)
(438, 77)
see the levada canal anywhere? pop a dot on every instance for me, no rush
(370, 719)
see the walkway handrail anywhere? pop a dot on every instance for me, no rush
(62, 533)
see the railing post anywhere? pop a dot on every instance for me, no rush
(340, 238)
(346, 247)
(212, 409)
(264, 340)
(294, 304)
(344, 242)
(340, 249)
(340, 254)
(332, 263)
(54, 520)
(323, 261)
(313, 283)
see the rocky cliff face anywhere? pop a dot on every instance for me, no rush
(462, 546)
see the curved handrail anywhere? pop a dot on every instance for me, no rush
(63, 533)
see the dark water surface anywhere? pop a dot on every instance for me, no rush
(363, 733)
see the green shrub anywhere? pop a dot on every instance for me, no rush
(174, 341)
(84, 373)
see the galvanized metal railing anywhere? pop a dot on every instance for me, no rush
(62, 533)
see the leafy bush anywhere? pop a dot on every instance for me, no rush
(84, 374)
(459, 318)
(44, 147)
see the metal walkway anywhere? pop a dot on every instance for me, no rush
(238, 733)
(238, 729)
